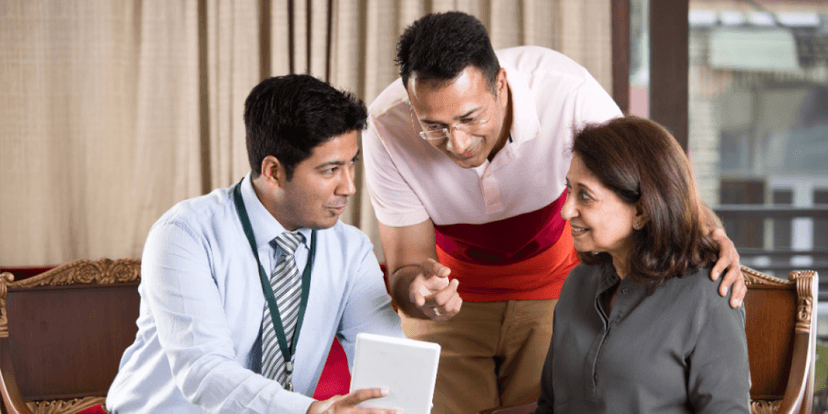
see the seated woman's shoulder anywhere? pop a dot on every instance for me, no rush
(582, 276)
(699, 284)
(583, 268)
(586, 273)
(698, 279)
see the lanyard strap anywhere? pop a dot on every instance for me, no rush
(287, 352)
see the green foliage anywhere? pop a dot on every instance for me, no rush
(821, 371)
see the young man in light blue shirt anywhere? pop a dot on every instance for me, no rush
(207, 261)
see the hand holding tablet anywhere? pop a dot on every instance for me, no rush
(347, 403)
(407, 368)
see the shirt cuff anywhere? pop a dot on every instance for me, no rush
(291, 402)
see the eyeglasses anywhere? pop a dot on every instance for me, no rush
(467, 126)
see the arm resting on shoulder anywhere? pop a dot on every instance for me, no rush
(728, 259)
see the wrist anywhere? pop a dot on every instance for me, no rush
(319, 407)
(399, 283)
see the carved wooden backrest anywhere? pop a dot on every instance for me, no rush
(781, 337)
(64, 331)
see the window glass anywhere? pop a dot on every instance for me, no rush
(639, 58)
(758, 120)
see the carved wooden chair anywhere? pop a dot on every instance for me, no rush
(62, 334)
(781, 336)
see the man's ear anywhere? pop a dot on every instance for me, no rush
(273, 172)
(502, 87)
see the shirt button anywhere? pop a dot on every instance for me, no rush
(624, 291)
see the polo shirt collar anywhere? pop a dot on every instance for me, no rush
(525, 122)
(265, 226)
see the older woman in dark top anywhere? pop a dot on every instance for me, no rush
(639, 327)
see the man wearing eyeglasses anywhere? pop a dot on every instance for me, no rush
(465, 159)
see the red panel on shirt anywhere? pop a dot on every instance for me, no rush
(536, 278)
(526, 257)
(506, 241)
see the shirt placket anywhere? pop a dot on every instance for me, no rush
(594, 353)
(627, 297)
(489, 185)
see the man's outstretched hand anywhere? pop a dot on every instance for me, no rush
(433, 294)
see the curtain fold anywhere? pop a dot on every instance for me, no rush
(164, 144)
(114, 110)
(67, 119)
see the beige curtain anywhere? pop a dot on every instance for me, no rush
(111, 111)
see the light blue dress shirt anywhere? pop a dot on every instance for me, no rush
(198, 343)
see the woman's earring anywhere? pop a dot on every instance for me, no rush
(637, 225)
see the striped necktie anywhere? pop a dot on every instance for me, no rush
(287, 289)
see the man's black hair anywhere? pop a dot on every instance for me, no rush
(439, 46)
(288, 116)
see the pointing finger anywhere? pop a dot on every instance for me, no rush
(433, 267)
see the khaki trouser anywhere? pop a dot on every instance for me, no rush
(492, 353)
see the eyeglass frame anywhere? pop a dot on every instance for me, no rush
(446, 132)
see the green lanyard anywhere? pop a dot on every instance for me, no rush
(287, 352)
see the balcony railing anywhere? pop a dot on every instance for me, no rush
(778, 261)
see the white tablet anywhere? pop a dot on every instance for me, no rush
(408, 368)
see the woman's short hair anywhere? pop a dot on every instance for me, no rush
(641, 162)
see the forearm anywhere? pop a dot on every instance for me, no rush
(218, 385)
(367, 305)
(399, 284)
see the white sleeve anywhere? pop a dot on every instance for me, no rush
(394, 201)
(368, 305)
(194, 333)
(594, 105)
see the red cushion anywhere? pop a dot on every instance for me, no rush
(21, 273)
(95, 409)
(335, 378)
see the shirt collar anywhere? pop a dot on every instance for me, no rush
(525, 122)
(608, 277)
(265, 226)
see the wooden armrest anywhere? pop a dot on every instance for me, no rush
(798, 377)
(801, 376)
(8, 384)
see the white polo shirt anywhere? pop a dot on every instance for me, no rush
(498, 226)
(410, 181)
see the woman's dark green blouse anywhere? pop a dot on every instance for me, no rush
(680, 350)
